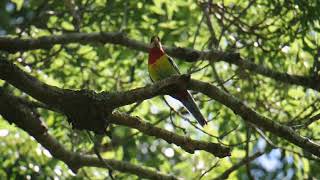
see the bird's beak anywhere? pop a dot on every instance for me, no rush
(156, 42)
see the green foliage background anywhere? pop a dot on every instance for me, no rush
(280, 34)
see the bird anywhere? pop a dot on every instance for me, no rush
(161, 66)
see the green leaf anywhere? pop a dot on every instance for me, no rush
(19, 4)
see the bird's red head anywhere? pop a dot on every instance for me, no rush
(155, 49)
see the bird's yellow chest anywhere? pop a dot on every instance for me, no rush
(161, 69)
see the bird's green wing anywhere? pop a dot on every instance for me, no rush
(173, 64)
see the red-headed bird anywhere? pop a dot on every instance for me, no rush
(161, 66)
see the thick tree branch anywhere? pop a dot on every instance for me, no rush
(90, 105)
(253, 117)
(15, 44)
(79, 106)
(93, 107)
(18, 113)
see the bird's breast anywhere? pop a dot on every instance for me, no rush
(160, 69)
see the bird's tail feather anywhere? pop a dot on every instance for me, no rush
(187, 100)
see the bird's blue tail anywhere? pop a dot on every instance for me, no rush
(187, 100)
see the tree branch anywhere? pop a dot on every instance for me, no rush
(185, 143)
(79, 106)
(46, 42)
(253, 117)
(18, 113)
(84, 105)
(88, 105)
(236, 166)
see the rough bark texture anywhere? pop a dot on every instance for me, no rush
(92, 111)
(79, 106)
(18, 113)
(11, 74)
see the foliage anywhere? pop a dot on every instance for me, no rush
(282, 35)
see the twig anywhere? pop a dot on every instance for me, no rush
(236, 166)
(210, 169)
(96, 151)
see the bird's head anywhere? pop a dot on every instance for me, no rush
(155, 42)
(155, 49)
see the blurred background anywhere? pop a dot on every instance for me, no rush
(282, 35)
